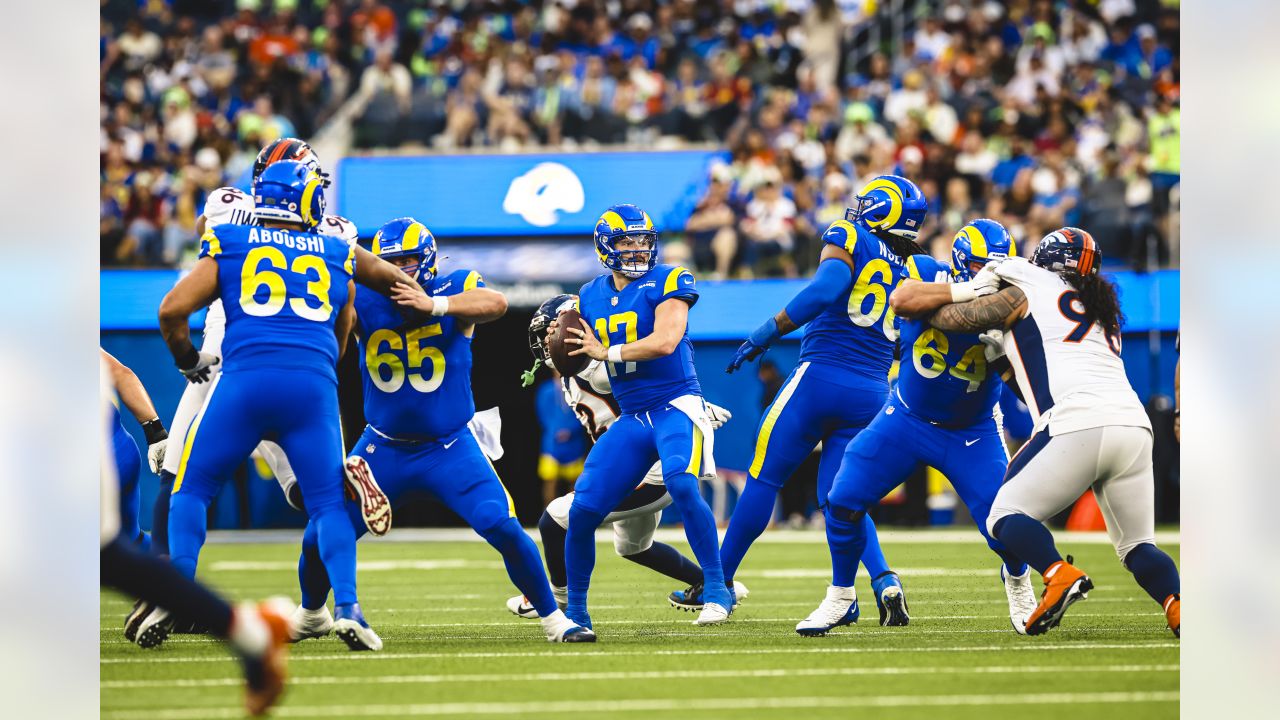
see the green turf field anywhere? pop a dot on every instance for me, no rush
(453, 650)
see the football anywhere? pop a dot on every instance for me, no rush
(558, 349)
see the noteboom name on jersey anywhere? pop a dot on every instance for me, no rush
(306, 243)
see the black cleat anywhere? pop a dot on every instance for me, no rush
(141, 609)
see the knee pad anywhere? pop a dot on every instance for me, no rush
(844, 514)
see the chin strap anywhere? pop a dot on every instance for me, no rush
(528, 376)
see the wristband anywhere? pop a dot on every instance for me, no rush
(766, 334)
(189, 359)
(154, 431)
(439, 305)
(615, 354)
(963, 292)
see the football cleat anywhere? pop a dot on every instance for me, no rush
(1022, 597)
(351, 627)
(265, 664)
(891, 600)
(713, 613)
(304, 623)
(560, 629)
(519, 605)
(1064, 585)
(375, 508)
(690, 598)
(154, 629)
(840, 607)
(1173, 613)
(141, 609)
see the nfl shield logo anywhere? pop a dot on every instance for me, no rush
(613, 301)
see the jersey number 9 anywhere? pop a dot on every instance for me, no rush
(375, 360)
(876, 281)
(253, 276)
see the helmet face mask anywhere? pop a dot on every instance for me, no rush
(626, 241)
(978, 243)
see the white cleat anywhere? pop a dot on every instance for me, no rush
(357, 636)
(840, 607)
(712, 614)
(519, 605)
(154, 629)
(1022, 598)
(304, 623)
(560, 629)
(740, 592)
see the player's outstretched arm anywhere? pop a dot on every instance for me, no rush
(134, 397)
(998, 311)
(670, 320)
(196, 290)
(832, 280)
(474, 306)
(375, 273)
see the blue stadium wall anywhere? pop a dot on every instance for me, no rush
(727, 312)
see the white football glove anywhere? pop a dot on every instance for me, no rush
(719, 416)
(992, 344)
(198, 366)
(987, 280)
(157, 441)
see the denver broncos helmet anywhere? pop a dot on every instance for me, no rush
(289, 192)
(1068, 249)
(978, 242)
(289, 149)
(406, 237)
(621, 221)
(890, 204)
(542, 318)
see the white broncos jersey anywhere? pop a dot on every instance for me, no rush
(591, 397)
(233, 206)
(1068, 369)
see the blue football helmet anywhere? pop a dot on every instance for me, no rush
(1068, 249)
(406, 237)
(978, 242)
(890, 204)
(288, 192)
(622, 221)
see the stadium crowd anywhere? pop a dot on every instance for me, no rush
(1036, 113)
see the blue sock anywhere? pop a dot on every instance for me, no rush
(1154, 570)
(160, 515)
(553, 549)
(580, 559)
(667, 560)
(188, 522)
(1028, 540)
(872, 556)
(524, 565)
(700, 531)
(313, 579)
(336, 540)
(750, 517)
(846, 538)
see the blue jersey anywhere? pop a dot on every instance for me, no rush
(282, 291)
(943, 377)
(417, 377)
(858, 330)
(626, 316)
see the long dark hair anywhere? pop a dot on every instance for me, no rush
(902, 247)
(1101, 303)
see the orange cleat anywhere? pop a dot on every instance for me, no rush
(1064, 584)
(265, 671)
(1173, 613)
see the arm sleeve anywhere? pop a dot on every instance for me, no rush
(830, 282)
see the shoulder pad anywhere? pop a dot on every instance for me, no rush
(227, 205)
(926, 268)
(458, 281)
(843, 234)
(674, 281)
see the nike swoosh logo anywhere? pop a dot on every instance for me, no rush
(967, 444)
(450, 443)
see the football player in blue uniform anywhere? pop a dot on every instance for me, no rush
(128, 460)
(941, 413)
(841, 381)
(635, 318)
(415, 358)
(288, 295)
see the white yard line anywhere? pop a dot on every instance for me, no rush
(641, 675)
(799, 649)
(661, 705)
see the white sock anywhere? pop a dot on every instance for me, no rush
(835, 592)
(554, 620)
(561, 594)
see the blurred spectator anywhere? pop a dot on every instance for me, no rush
(385, 89)
(769, 229)
(712, 227)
